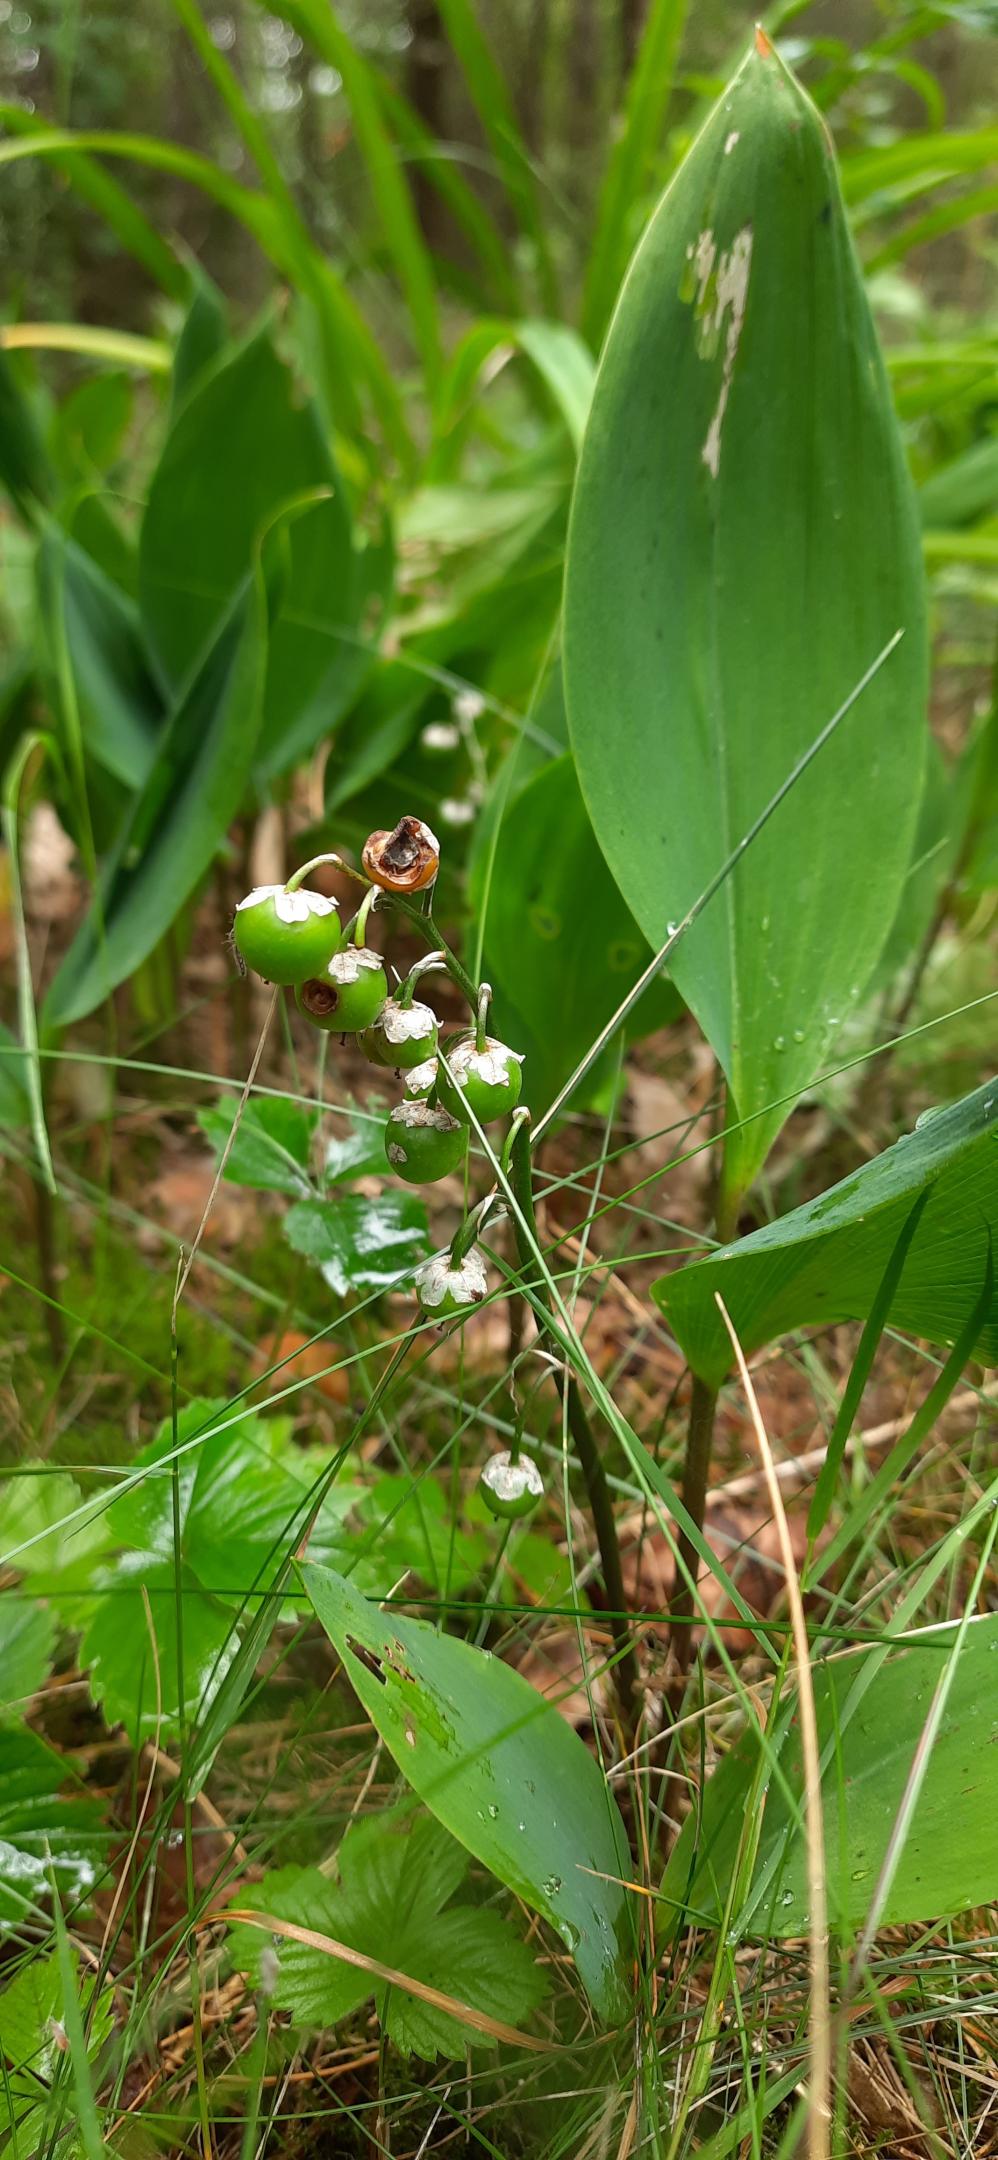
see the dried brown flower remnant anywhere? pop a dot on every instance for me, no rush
(403, 861)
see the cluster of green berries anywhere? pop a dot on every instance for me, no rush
(293, 937)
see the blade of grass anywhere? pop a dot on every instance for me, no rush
(87, 2122)
(925, 1417)
(117, 346)
(819, 2083)
(493, 104)
(648, 94)
(113, 203)
(824, 1491)
(385, 1974)
(316, 21)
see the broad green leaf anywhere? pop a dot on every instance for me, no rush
(42, 1532)
(404, 1528)
(360, 1243)
(120, 709)
(392, 1903)
(965, 488)
(356, 1150)
(561, 947)
(561, 361)
(499, 1768)
(244, 443)
(241, 1492)
(181, 814)
(273, 1143)
(743, 544)
(201, 341)
(43, 1832)
(132, 1655)
(324, 639)
(824, 1262)
(27, 1641)
(871, 1712)
(87, 431)
(33, 2004)
(24, 466)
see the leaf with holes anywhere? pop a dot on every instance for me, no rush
(743, 544)
(825, 1261)
(392, 1902)
(500, 1769)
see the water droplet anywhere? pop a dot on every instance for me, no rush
(787, 1898)
(521, 1826)
(551, 1885)
(764, 925)
(779, 1042)
(671, 928)
(859, 1874)
(798, 1035)
(493, 1810)
(174, 1841)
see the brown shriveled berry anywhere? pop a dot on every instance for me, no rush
(403, 861)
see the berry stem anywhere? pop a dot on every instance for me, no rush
(481, 1016)
(418, 969)
(359, 924)
(590, 1463)
(298, 876)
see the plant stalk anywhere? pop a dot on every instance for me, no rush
(699, 1443)
(586, 1448)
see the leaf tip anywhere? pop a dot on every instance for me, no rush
(763, 43)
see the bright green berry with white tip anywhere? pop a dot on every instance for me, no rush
(286, 936)
(350, 994)
(402, 1035)
(511, 1489)
(449, 1289)
(420, 1079)
(424, 1144)
(488, 1078)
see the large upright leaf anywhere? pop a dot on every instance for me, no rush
(245, 442)
(179, 817)
(120, 709)
(743, 544)
(826, 1260)
(499, 1768)
(871, 1713)
(561, 948)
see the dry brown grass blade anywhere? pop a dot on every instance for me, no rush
(329, 1947)
(820, 2081)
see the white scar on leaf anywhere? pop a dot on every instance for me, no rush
(729, 297)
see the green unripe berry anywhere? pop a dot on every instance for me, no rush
(402, 1035)
(420, 1079)
(449, 1289)
(488, 1079)
(423, 1145)
(286, 936)
(349, 995)
(511, 1489)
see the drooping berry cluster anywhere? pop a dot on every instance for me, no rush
(293, 937)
